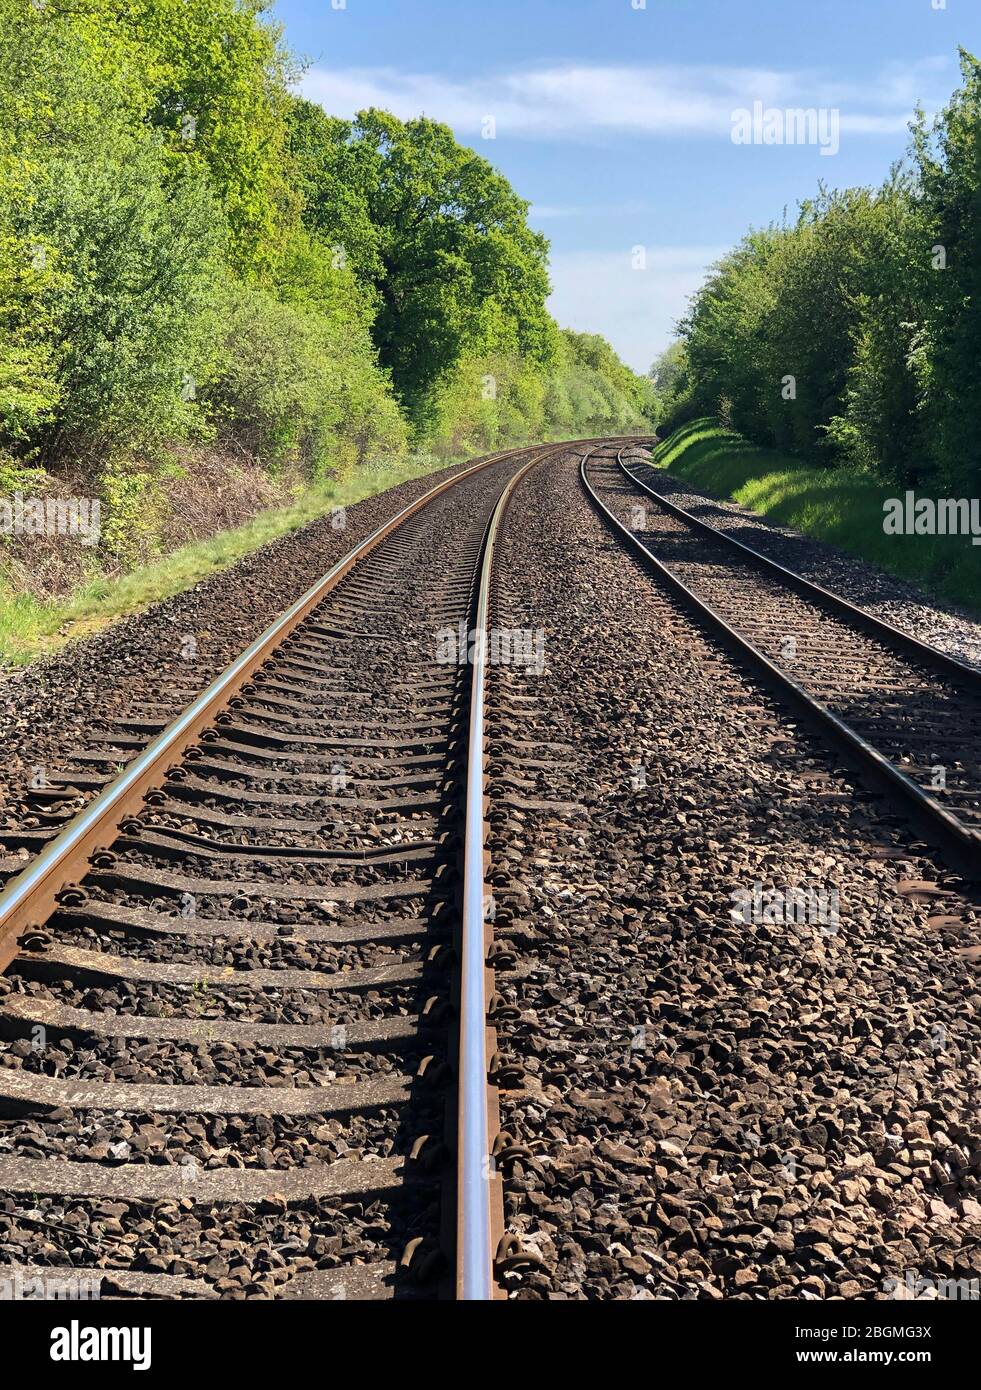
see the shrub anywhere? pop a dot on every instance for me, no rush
(134, 260)
(287, 387)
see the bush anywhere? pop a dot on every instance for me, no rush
(136, 255)
(29, 389)
(287, 388)
(133, 509)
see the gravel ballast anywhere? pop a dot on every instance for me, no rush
(712, 1107)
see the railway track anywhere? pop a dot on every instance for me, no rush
(909, 714)
(248, 1016)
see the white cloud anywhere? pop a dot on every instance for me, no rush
(547, 212)
(601, 292)
(579, 100)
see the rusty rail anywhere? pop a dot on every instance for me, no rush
(33, 895)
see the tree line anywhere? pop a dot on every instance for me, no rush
(853, 334)
(197, 263)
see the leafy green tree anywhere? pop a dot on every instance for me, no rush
(867, 311)
(290, 386)
(333, 174)
(140, 251)
(108, 250)
(669, 371)
(592, 392)
(440, 236)
(726, 334)
(216, 89)
(882, 427)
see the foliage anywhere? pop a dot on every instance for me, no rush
(439, 235)
(138, 256)
(196, 265)
(288, 388)
(669, 372)
(593, 392)
(947, 354)
(854, 334)
(502, 398)
(131, 499)
(217, 80)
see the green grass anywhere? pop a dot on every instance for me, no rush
(30, 627)
(838, 505)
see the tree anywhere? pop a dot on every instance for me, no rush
(867, 310)
(439, 235)
(726, 334)
(216, 88)
(669, 370)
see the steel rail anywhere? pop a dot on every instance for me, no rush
(32, 895)
(961, 840)
(895, 636)
(480, 1212)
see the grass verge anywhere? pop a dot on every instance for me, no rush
(839, 505)
(30, 627)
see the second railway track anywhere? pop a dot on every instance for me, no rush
(910, 714)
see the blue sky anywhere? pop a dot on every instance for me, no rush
(614, 118)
